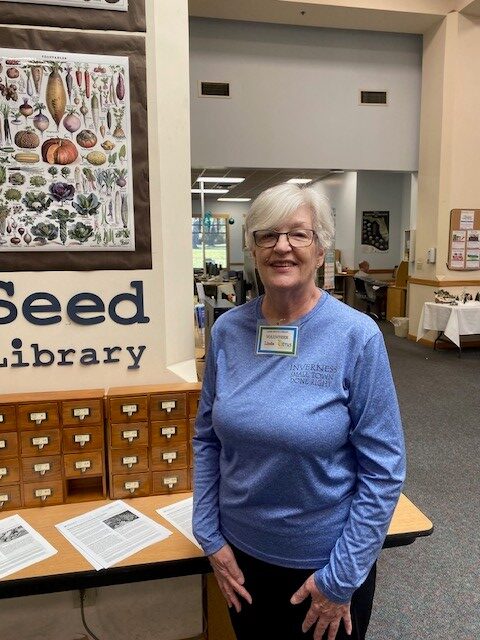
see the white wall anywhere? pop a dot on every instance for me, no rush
(341, 191)
(294, 97)
(380, 191)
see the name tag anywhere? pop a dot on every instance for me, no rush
(279, 341)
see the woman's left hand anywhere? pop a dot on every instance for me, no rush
(324, 612)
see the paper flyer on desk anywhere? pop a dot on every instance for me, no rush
(179, 514)
(21, 546)
(111, 533)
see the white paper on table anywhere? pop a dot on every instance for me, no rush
(21, 546)
(112, 533)
(179, 514)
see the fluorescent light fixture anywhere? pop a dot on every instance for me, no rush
(222, 180)
(209, 191)
(337, 171)
(233, 199)
(299, 180)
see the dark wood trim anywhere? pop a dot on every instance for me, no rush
(444, 283)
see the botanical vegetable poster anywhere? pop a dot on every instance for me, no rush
(119, 5)
(65, 152)
(375, 231)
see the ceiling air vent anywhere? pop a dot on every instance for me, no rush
(214, 89)
(373, 97)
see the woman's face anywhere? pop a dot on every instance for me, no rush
(288, 268)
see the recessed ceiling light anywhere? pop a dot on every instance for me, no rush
(233, 199)
(209, 190)
(220, 179)
(299, 180)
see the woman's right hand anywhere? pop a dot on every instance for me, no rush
(229, 577)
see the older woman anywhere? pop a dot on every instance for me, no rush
(299, 455)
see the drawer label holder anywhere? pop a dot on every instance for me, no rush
(2, 419)
(129, 409)
(130, 435)
(3, 444)
(38, 417)
(81, 413)
(81, 438)
(3, 471)
(43, 494)
(168, 405)
(129, 461)
(169, 456)
(170, 482)
(4, 497)
(132, 486)
(42, 468)
(169, 432)
(40, 442)
(83, 465)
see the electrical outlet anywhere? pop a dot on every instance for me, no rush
(89, 601)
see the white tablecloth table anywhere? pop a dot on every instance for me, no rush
(460, 320)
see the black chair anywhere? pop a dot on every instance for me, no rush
(367, 296)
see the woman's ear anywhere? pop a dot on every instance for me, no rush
(320, 258)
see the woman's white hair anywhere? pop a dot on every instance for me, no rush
(273, 206)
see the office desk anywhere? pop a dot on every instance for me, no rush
(453, 322)
(175, 556)
(396, 301)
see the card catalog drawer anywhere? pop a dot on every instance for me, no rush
(40, 442)
(128, 409)
(39, 414)
(8, 444)
(82, 412)
(163, 433)
(43, 494)
(10, 497)
(131, 485)
(9, 471)
(42, 468)
(193, 400)
(130, 435)
(82, 438)
(170, 481)
(168, 406)
(8, 421)
(79, 465)
(131, 460)
(172, 457)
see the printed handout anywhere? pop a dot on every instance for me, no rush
(179, 514)
(111, 533)
(20, 546)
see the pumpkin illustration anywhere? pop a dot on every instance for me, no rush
(86, 138)
(59, 151)
(27, 139)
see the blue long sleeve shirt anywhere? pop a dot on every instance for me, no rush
(299, 461)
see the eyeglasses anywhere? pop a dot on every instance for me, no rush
(296, 237)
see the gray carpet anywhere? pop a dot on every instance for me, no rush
(430, 589)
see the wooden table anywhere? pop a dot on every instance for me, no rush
(175, 556)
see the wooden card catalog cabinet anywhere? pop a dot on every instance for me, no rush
(51, 448)
(149, 430)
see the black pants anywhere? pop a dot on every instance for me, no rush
(271, 616)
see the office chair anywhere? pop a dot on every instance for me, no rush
(367, 296)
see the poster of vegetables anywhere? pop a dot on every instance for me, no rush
(65, 152)
(118, 5)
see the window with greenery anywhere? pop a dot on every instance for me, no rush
(216, 240)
